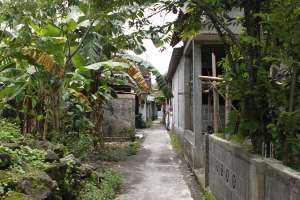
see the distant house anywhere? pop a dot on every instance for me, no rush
(131, 103)
(146, 102)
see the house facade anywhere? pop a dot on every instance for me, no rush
(191, 105)
(197, 110)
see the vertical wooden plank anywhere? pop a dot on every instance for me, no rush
(227, 106)
(215, 95)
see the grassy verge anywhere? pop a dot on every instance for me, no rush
(120, 152)
(238, 138)
(149, 123)
(208, 196)
(176, 144)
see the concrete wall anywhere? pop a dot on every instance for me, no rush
(119, 117)
(236, 174)
(187, 117)
(123, 108)
(232, 173)
(178, 90)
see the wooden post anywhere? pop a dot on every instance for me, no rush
(227, 106)
(215, 95)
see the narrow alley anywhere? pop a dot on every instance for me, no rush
(156, 172)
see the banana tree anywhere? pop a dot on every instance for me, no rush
(160, 79)
(57, 40)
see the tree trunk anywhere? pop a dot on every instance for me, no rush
(292, 89)
(45, 133)
(98, 111)
(252, 57)
(55, 109)
(286, 148)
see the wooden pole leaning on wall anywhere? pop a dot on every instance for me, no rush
(215, 96)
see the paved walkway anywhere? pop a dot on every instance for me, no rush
(155, 173)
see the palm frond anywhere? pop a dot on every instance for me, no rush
(160, 79)
(44, 59)
(134, 72)
(6, 62)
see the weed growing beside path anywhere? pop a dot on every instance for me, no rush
(103, 189)
(208, 196)
(176, 143)
(119, 152)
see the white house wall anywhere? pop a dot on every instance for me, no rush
(178, 100)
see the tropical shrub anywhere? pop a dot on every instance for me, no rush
(9, 131)
(104, 189)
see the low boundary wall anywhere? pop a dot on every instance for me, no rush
(231, 173)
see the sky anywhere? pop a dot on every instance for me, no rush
(159, 59)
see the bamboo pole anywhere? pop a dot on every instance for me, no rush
(210, 78)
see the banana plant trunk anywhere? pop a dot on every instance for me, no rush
(99, 115)
(55, 110)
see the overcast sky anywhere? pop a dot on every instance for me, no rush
(160, 60)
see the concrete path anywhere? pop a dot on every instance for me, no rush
(155, 173)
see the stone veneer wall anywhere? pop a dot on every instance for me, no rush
(234, 174)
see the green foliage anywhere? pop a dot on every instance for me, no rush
(238, 138)
(119, 152)
(176, 144)
(9, 131)
(285, 134)
(220, 135)
(79, 144)
(24, 160)
(233, 124)
(160, 79)
(268, 94)
(26, 157)
(16, 196)
(43, 54)
(208, 196)
(103, 189)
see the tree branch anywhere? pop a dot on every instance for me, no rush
(218, 22)
(80, 44)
